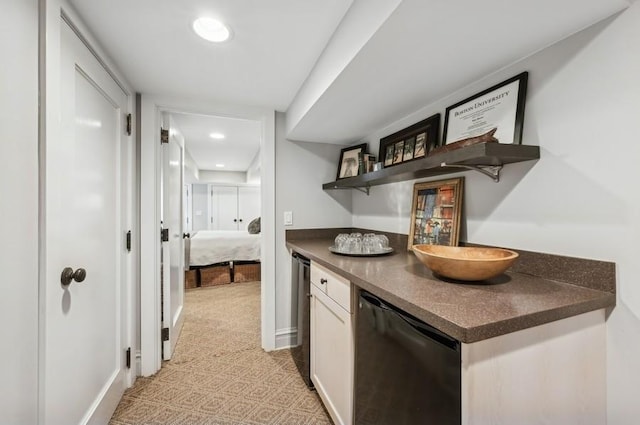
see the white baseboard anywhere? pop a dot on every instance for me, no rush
(286, 338)
(138, 363)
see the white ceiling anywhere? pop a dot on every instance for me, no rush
(274, 46)
(415, 53)
(236, 151)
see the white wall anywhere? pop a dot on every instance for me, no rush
(214, 176)
(581, 198)
(191, 171)
(19, 212)
(253, 172)
(301, 168)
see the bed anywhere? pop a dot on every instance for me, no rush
(209, 247)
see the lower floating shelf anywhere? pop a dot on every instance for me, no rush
(487, 158)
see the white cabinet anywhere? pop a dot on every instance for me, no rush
(332, 356)
(554, 373)
(233, 207)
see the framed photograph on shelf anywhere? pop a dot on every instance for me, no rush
(435, 212)
(500, 107)
(348, 165)
(410, 143)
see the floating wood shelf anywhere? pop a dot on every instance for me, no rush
(487, 158)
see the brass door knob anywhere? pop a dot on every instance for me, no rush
(69, 275)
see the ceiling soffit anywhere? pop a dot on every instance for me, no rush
(426, 50)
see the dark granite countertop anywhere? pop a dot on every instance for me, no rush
(471, 312)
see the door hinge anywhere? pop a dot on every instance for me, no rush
(164, 136)
(164, 235)
(129, 124)
(129, 241)
(128, 358)
(165, 334)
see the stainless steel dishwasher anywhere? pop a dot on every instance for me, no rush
(301, 291)
(407, 372)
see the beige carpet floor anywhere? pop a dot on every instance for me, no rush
(219, 374)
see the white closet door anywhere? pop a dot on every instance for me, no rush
(200, 207)
(248, 205)
(224, 208)
(83, 363)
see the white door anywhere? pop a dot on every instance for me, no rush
(224, 208)
(187, 206)
(248, 205)
(173, 250)
(83, 355)
(331, 355)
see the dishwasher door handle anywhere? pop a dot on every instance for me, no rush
(419, 326)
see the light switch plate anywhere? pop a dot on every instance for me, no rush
(288, 218)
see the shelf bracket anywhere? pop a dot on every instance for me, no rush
(364, 190)
(492, 171)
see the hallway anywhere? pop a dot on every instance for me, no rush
(219, 373)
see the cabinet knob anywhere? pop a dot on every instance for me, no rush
(323, 281)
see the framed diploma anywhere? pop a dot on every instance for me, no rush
(500, 107)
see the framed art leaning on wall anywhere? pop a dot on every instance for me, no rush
(435, 212)
(348, 166)
(410, 143)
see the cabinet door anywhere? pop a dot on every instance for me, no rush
(332, 356)
(248, 205)
(224, 208)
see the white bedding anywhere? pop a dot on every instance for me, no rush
(218, 246)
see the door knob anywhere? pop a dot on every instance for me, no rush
(68, 275)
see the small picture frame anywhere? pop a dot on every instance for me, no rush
(348, 166)
(435, 213)
(398, 152)
(420, 149)
(411, 143)
(409, 146)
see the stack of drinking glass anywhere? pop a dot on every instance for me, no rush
(357, 244)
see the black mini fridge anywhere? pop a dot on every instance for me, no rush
(301, 291)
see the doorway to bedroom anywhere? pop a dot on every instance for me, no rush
(220, 199)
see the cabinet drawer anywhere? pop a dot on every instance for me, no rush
(336, 287)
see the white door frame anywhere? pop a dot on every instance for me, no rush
(149, 109)
(52, 14)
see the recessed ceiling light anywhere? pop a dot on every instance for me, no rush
(217, 136)
(220, 165)
(211, 29)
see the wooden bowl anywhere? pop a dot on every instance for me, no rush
(465, 263)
